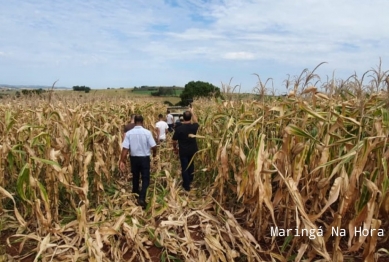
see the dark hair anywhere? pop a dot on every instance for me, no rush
(187, 116)
(160, 116)
(139, 119)
(168, 111)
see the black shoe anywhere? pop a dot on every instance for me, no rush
(142, 203)
(187, 189)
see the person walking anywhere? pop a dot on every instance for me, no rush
(178, 122)
(161, 128)
(169, 121)
(138, 142)
(187, 146)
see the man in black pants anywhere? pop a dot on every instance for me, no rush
(187, 146)
(138, 141)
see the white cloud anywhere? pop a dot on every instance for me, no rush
(239, 56)
(131, 40)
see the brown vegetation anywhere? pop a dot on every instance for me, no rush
(310, 161)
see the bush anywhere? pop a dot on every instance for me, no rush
(86, 89)
(33, 91)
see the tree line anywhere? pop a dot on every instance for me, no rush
(29, 92)
(86, 89)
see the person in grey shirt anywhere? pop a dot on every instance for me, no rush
(138, 141)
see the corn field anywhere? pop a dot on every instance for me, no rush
(275, 178)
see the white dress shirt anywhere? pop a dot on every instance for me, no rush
(139, 141)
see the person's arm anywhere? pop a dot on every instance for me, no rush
(152, 145)
(166, 128)
(194, 117)
(154, 148)
(123, 157)
(158, 134)
(125, 151)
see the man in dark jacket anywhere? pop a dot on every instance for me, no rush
(187, 146)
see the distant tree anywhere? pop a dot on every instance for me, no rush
(86, 89)
(198, 89)
(33, 91)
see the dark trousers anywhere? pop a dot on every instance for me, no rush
(187, 171)
(140, 167)
(170, 129)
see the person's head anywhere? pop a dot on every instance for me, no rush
(168, 111)
(160, 116)
(138, 120)
(132, 118)
(187, 116)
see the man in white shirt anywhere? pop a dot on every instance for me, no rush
(161, 128)
(138, 141)
(170, 121)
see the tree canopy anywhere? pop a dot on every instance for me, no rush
(197, 89)
(86, 89)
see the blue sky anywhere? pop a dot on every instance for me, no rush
(115, 43)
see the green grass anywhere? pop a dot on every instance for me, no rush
(142, 92)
